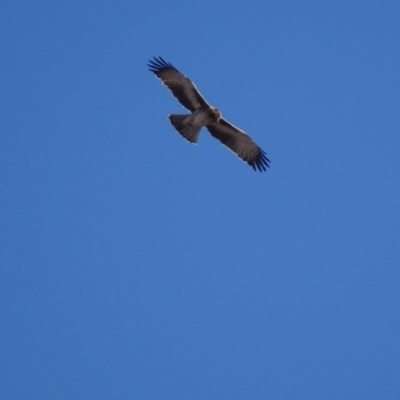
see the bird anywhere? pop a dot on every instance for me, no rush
(204, 115)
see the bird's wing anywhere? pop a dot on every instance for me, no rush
(181, 86)
(240, 143)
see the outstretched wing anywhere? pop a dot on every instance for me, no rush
(240, 143)
(181, 86)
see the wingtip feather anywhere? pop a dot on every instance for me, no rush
(158, 64)
(261, 163)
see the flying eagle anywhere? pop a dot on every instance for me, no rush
(202, 114)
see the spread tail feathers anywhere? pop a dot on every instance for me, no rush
(190, 133)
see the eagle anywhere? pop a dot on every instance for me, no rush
(203, 114)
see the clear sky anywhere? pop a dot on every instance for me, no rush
(135, 265)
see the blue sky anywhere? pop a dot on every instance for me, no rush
(137, 266)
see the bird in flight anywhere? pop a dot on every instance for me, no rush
(202, 114)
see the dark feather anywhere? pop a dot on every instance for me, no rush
(181, 86)
(240, 143)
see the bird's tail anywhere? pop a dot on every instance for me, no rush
(190, 133)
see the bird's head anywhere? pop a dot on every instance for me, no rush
(215, 114)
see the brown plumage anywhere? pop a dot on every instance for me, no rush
(202, 114)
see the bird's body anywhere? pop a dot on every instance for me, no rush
(204, 115)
